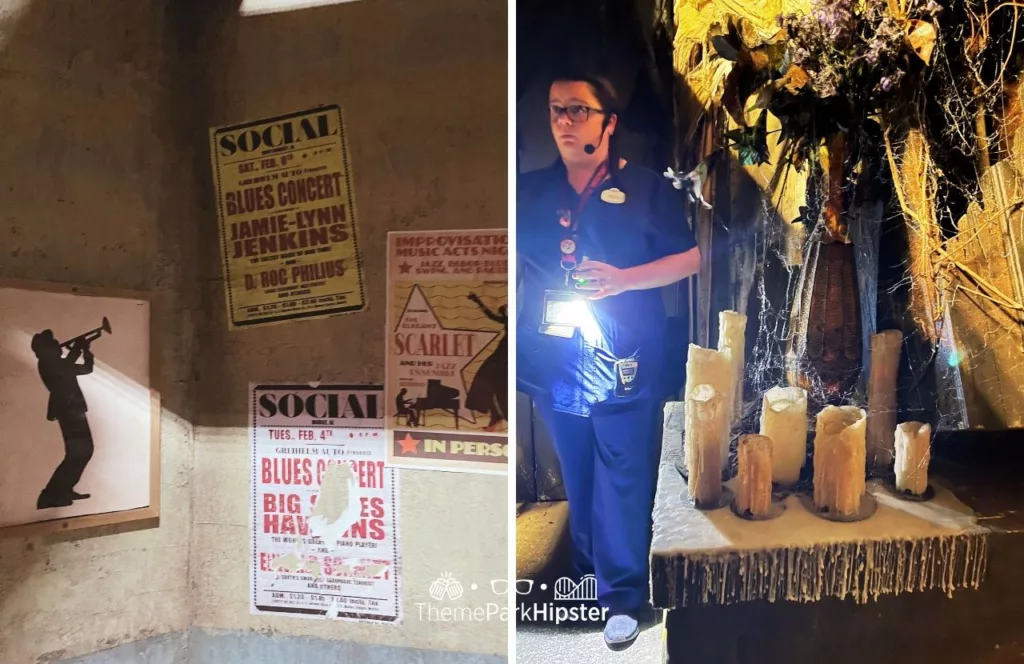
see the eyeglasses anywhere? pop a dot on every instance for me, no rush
(576, 113)
(522, 586)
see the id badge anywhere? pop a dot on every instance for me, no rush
(625, 377)
(560, 316)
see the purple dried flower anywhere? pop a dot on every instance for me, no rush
(885, 84)
(826, 82)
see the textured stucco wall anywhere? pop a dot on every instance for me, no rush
(423, 88)
(105, 181)
(96, 188)
(200, 646)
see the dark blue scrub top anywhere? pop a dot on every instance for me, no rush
(578, 374)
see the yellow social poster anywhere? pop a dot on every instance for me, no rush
(287, 215)
(447, 360)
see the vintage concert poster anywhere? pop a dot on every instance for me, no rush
(447, 358)
(287, 215)
(324, 505)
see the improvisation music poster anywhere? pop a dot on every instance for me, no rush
(324, 505)
(286, 208)
(79, 422)
(447, 356)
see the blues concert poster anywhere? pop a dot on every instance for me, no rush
(77, 413)
(446, 386)
(286, 204)
(324, 506)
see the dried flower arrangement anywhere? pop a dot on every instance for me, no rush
(832, 70)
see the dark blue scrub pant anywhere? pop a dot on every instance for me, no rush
(610, 464)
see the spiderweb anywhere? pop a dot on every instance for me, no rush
(933, 242)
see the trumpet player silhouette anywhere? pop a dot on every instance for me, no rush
(67, 406)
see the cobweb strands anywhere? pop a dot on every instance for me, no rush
(865, 571)
(700, 558)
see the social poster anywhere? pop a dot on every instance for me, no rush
(447, 357)
(287, 214)
(324, 505)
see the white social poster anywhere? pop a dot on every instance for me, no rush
(324, 506)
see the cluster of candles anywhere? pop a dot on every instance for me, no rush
(843, 435)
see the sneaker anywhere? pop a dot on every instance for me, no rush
(621, 631)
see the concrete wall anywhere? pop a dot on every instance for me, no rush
(200, 646)
(96, 188)
(105, 181)
(423, 89)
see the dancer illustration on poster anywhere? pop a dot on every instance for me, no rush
(68, 407)
(489, 392)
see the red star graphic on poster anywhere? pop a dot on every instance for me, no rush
(405, 267)
(409, 444)
(427, 339)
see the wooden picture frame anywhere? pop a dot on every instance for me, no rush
(147, 516)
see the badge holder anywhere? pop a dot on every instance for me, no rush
(561, 314)
(625, 377)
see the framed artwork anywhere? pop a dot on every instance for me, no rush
(79, 418)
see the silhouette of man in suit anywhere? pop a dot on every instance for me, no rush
(67, 406)
(403, 408)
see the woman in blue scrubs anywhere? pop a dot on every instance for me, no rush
(596, 239)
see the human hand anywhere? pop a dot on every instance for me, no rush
(602, 280)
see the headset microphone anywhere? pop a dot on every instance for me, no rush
(590, 148)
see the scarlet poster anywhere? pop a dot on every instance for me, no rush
(324, 506)
(287, 218)
(447, 357)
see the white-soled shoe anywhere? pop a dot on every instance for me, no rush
(621, 631)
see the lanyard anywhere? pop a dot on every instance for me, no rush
(569, 221)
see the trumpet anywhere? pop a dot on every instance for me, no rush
(89, 337)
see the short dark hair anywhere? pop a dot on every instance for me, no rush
(603, 87)
(611, 103)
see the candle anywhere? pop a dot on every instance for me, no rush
(885, 365)
(701, 447)
(913, 453)
(784, 421)
(732, 329)
(840, 456)
(754, 475)
(705, 366)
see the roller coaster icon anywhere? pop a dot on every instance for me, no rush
(568, 590)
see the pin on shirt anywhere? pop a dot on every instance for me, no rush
(614, 196)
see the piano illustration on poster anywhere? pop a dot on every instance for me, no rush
(447, 353)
